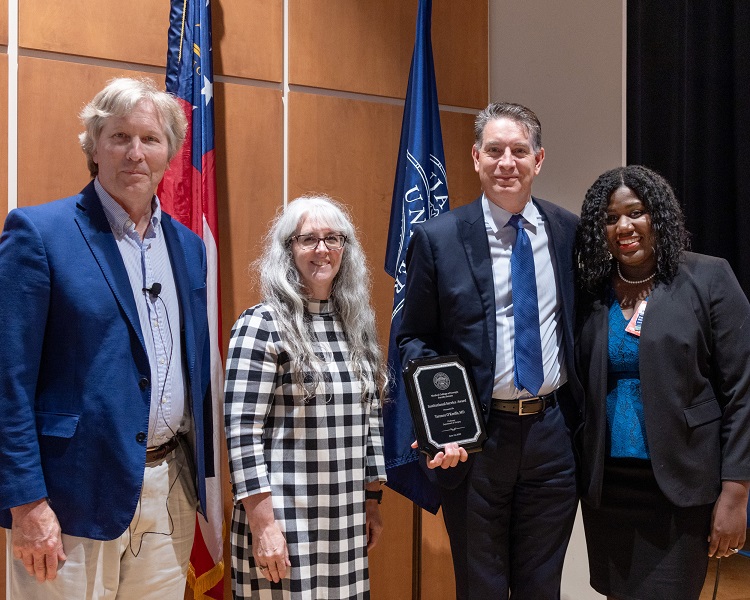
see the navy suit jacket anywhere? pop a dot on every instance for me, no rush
(449, 306)
(75, 381)
(694, 361)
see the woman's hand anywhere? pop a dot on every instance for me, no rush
(729, 519)
(450, 456)
(270, 553)
(269, 545)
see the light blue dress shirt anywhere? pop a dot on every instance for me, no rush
(147, 262)
(501, 240)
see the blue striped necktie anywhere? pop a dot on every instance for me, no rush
(528, 372)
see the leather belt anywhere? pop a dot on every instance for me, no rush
(159, 452)
(526, 406)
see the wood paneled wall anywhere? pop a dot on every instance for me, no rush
(4, 23)
(3, 133)
(348, 64)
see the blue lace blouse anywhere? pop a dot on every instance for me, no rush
(625, 419)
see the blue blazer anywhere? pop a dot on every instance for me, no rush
(75, 383)
(450, 299)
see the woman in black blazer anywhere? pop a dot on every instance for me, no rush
(663, 352)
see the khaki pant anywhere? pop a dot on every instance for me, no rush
(149, 561)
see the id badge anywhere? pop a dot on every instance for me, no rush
(634, 325)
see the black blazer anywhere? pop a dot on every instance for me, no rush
(449, 306)
(694, 361)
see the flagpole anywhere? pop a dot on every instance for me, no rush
(416, 553)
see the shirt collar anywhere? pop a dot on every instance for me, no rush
(318, 307)
(118, 218)
(495, 218)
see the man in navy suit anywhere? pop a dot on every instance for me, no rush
(509, 509)
(105, 439)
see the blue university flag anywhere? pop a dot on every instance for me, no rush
(419, 193)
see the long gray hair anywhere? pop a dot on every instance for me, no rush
(284, 290)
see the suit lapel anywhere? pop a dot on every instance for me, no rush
(473, 234)
(561, 254)
(600, 353)
(181, 273)
(593, 356)
(93, 224)
(653, 334)
(182, 283)
(562, 261)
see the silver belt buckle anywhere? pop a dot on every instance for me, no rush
(524, 401)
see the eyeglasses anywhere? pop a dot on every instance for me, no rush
(308, 241)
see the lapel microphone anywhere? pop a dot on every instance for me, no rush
(154, 290)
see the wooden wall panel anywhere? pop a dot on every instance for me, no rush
(249, 184)
(3, 137)
(133, 31)
(438, 582)
(51, 163)
(458, 137)
(248, 38)
(3, 554)
(347, 149)
(368, 49)
(460, 50)
(4, 22)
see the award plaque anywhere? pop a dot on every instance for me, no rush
(443, 404)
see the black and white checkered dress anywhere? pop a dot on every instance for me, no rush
(314, 457)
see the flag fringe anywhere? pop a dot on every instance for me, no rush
(206, 581)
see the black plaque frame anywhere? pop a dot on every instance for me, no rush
(443, 404)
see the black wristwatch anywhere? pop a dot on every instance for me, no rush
(370, 495)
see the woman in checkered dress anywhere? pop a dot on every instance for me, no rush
(302, 414)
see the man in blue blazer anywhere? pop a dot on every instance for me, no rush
(105, 439)
(509, 509)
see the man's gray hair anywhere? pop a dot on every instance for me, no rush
(118, 98)
(283, 289)
(515, 112)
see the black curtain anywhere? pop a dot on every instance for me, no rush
(688, 114)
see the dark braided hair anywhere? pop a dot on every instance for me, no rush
(667, 224)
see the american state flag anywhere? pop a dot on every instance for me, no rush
(188, 193)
